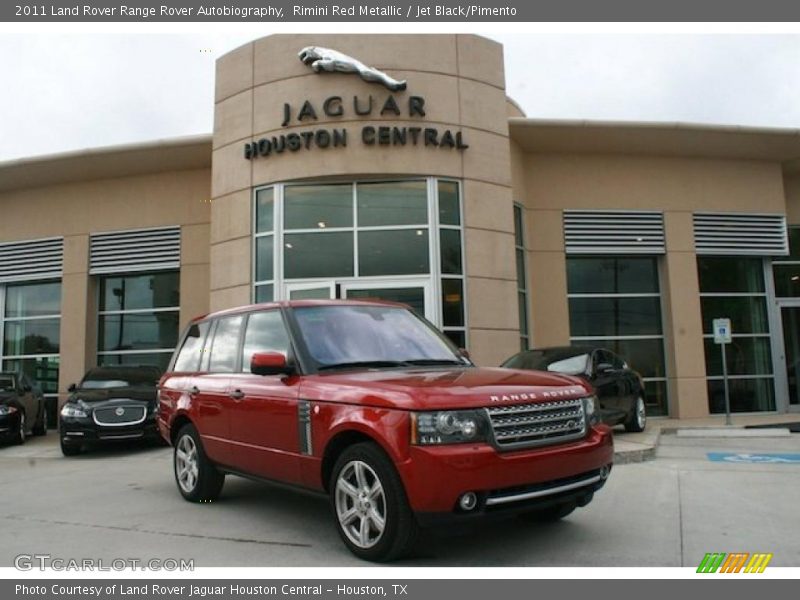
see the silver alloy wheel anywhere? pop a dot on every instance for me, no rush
(44, 419)
(186, 463)
(360, 504)
(21, 427)
(641, 415)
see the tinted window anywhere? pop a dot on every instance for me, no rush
(318, 206)
(33, 300)
(225, 346)
(7, 383)
(154, 290)
(557, 361)
(189, 356)
(110, 377)
(265, 332)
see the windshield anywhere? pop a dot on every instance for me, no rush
(107, 378)
(568, 363)
(379, 336)
(6, 383)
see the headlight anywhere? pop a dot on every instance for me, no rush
(590, 408)
(448, 427)
(72, 410)
(7, 410)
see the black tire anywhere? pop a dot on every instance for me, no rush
(70, 449)
(41, 425)
(21, 436)
(637, 419)
(202, 482)
(551, 514)
(379, 493)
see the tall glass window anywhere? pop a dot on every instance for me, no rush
(451, 250)
(615, 303)
(138, 318)
(339, 234)
(522, 277)
(264, 245)
(733, 288)
(31, 330)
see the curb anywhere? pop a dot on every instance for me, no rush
(637, 455)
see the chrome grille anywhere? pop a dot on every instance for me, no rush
(130, 415)
(540, 423)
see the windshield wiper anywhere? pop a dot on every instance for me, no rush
(435, 361)
(366, 364)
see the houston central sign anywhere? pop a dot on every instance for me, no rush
(337, 107)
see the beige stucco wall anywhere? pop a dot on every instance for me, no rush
(461, 78)
(791, 185)
(550, 183)
(74, 210)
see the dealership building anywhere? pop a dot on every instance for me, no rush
(419, 181)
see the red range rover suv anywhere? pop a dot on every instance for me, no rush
(369, 403)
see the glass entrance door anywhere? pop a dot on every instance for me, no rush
(416, 293)
(790, 321)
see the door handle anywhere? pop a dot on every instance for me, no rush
(236, 394)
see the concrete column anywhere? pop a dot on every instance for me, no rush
(683, 326)
(547, 278)
(78, 314)
(194, 271)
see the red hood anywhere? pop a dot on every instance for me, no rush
(435, 388)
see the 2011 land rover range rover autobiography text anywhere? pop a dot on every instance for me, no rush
(367, 402)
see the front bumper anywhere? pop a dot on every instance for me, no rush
(9, 425)
(85, 430)
(435, 477)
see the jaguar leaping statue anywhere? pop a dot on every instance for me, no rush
(325, 59)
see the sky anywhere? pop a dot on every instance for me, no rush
(68, 92)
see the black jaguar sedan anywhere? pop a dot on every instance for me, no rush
(22, 408)
(619, 389)
(110, 404)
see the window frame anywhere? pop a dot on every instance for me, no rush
(433, 227)
(599, 340)
(164, 309)
(767, 294)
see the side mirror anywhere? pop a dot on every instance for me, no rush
(603, 368)
(72, 387)
(270, 363)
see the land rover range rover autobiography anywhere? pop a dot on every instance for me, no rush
(367, 402)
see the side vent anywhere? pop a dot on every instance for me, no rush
(613, 232)
(740, 234)
(32, 259)
(135, 250)
(304, 426)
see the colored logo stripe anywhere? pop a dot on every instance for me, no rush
(711, 562)
(758, 563)
(734, 562)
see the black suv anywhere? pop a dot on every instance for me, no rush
(110, 404)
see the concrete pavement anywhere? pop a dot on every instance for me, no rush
(669, 511)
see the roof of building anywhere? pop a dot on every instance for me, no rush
(658, 139)
(532, 135)
(156, 156)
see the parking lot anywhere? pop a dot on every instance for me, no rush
(122, 503)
